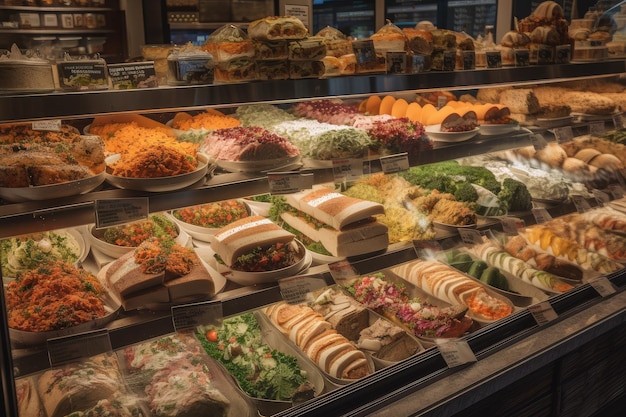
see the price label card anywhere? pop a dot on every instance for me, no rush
(289, 182)
(342, 270)
(299, 289)
(395, 163)
(616, 190)
(596, 128)
(70, 348)
(470, 236)
(564, 134)
(511, 225)
(47, 125)
(541, 214)
(603, 286)
(618, 121)
(345, 170)
(132, 75)
(111, 212)
(538, 141)
(190, 316)
(581, 204)
(543, 312)
(601, 197)
(455, 352)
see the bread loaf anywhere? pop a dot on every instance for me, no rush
(589, 103)
(520, 100)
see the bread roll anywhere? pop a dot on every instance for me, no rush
(277, 27)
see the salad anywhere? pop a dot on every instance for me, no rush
(213, 215)
(262, 372)
(23, 253)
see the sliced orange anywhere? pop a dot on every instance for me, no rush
(399, 108)
(372, 107)
(440, 115)
(427, 111)
(414, 112)
(386, 104)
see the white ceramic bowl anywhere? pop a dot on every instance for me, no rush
(435, 133)
(175, 182)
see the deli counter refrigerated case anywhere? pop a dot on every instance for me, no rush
(569, 355)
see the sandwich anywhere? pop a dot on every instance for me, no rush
(158, 271)
(389, 38)
(272, 69)
(271, 50)
(337, 43)
(333, 223)
(306, 69)
(309, 49)
(277, 27)
(343, 65)
(255, 244)
(227, 43)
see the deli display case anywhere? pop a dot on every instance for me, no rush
(524, 349)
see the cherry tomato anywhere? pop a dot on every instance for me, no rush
(211, 335)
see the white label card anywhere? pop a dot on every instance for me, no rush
(470, 236)
(190, 316)
(114, 211)
(395, 163)
(455, 352)
(342, 270)
(564, 134)
(511, 225)
(296, 290)
(289, 182)
(596, 128)
(70, 348)
(47, 125)
(603, 286)
(618, 121)
(581, 204)
(543, 312)
(541, 214)
(346, 170)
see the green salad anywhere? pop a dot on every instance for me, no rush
(262, 372)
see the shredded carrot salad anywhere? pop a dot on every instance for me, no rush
(124, 137)
(163, 254)
(54, 296)
(206, 121)
(155, 162)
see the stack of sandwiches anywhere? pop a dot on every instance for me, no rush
(345, 226)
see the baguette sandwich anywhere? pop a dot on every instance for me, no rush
(255, 244)
(277, 27)
(344, 226)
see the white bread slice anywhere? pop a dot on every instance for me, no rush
(124, 276)
(342, 361)
(241, 236)
(197, 282)
(333, 208)
(355, 239)
(142, 299)
(331, 352)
